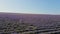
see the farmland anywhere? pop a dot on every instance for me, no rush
(29, 23)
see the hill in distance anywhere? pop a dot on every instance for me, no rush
(36, 19)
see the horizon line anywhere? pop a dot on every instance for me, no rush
(30, 13)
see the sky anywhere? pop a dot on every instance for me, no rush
(30, 6)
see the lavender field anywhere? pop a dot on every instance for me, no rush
(15, 23)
